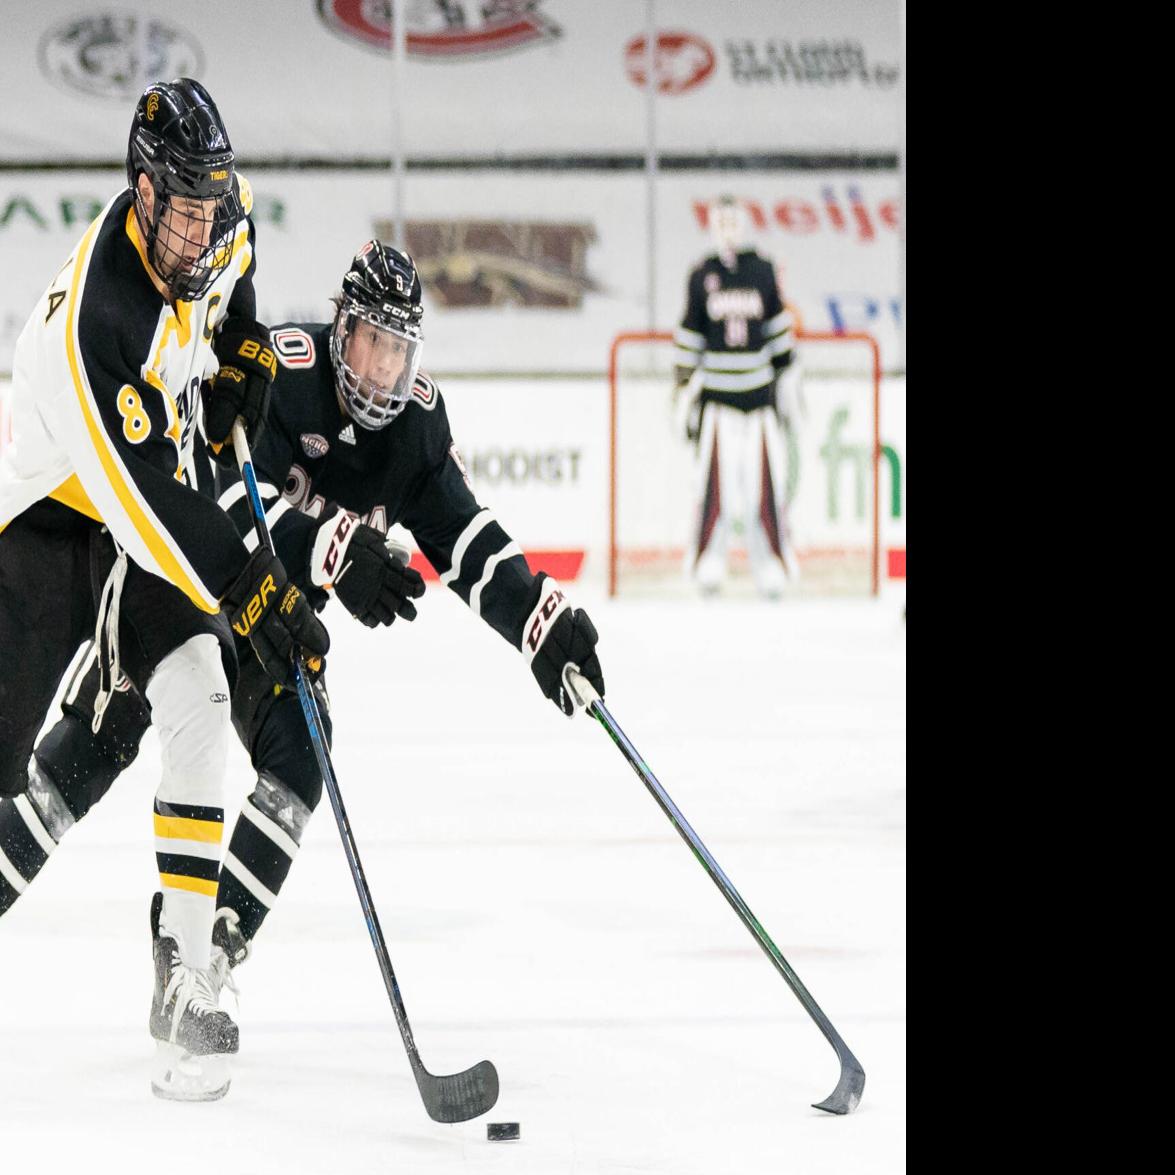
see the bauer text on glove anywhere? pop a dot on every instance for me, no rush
(272, 614)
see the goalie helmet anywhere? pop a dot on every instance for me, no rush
(728, 222)
(179, 142)
(376, 341)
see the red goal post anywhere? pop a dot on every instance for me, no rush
(871, 377)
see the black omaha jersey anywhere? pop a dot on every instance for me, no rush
(736, 330)
(313, 463)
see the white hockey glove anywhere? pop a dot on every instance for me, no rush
(789, 403)
(687, 406)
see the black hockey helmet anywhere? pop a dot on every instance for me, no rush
(178, 140)
(377, 340)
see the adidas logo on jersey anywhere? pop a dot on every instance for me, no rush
(348, 434)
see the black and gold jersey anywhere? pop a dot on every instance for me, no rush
(105, 402)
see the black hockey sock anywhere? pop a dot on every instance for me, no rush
(260, 853)
(31, 825)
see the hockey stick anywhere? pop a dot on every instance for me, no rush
(456, 1097)
(847, 1095)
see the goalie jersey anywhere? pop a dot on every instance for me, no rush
(735, 330)
(314, 465)
(105, 403)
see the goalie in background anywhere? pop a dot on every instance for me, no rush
(734, 397)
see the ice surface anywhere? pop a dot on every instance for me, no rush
(540, 911)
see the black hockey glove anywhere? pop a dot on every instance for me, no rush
(272, 614)
(241, 386)
(375, 586)
(555, 637)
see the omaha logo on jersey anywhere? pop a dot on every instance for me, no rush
(454, 28)
(108, 54)
(314, 446)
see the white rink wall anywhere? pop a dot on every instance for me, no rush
(531, 272)
(537, 452)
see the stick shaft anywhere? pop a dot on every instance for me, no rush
(600, 712)
(315, 726)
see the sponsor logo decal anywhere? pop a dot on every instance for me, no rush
(681, 61)
(115, 55)
(841, 209)
(488, 264)
(823, 63)
(446, 28)
(543, 467)
(152, 107)
(314, 445)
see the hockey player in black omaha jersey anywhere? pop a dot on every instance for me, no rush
(357, 438)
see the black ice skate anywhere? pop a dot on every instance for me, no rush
(194, 1037)
(230, 948)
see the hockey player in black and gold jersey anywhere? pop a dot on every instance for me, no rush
(357, 439)
(104, 533)
(734, 347)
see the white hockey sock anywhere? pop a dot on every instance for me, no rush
(188, 695)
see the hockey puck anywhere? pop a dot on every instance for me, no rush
(503, 1131)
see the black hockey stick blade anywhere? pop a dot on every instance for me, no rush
(847, 1095)
(458, 1097)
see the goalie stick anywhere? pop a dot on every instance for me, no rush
(455, 1097)
(847, 1095)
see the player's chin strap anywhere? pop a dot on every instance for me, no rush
(106, 637)
(847, 1095)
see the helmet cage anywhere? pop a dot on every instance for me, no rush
(373, 406)
(201, 178)
(207, 222)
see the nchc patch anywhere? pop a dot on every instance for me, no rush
(315, 445)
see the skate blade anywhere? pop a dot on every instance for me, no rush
(180, 1076)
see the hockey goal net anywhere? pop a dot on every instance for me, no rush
(833, 469)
